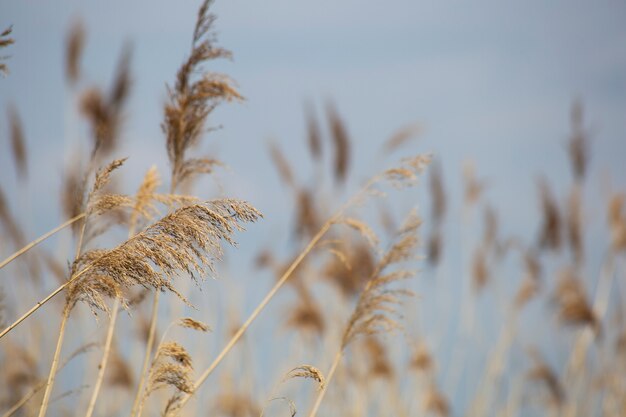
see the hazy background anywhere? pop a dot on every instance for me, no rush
(486, 81)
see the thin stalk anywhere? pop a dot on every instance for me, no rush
(107, 347)
(329, 377)
(40, 239)
(55, 362)
(58, 290)
(137, 403)
(103, 361)
(286, 275)
(45, 300)
(57, 352)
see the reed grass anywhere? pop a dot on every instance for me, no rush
(537, 331)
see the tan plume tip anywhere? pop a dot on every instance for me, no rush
(105, 112)
(73, 51)
(578, 144)
(543, 373)
(573, 305)
(406, 174)
(480, 269)
(437, 193)
(435, 402)
(617, 222)
(193, 324)
(550, 236)
(341, 141)
(307, 372)
(194, 97)
(362, 228)
(282, 165)
(421, 360)
(18, 142)
(378, 359)
(313, 132)
(307, 222)
(401, 137)
(473, 187)
(376, 308)
(175, 352)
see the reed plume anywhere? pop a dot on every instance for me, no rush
(376, 307)
(341, 142)
(5, 40)
(74, 46)
(578, 144)
(192, 99)
(542, 373)
(551, 229)
(573, 305)
(314, 135)
(18, 142)
(105, 112)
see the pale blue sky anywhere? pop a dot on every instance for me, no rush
(487, 80)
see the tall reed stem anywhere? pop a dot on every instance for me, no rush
(41, 303)
(137, 403)
(57, 352)
(40, 239)
(55, 362)
(104, 360)
(107, 346)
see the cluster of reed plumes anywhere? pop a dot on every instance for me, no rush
(362, 319)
